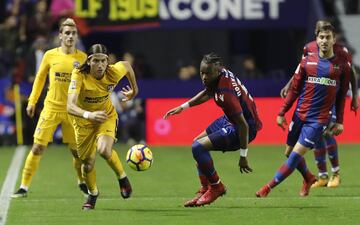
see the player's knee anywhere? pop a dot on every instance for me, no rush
(38, 149)
(87, 167)
(104, 152)
(197, 149)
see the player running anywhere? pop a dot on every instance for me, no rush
(230, 132)
(58, 63)
(320, 81)
(327, 143)
(95, 118)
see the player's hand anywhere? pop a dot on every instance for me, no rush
(354, 104)
(284, 91)
(173, 111)
(281, 122)
(128, 92)
(243, 165)
(30, 111)
(98, 116)
(337, 129)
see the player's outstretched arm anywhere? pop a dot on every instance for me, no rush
(354, 89)
(243, 129)
(285, 89)
(198, 99)
(130, 92)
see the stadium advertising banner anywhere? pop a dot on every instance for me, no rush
(98, 15)
(183, 128)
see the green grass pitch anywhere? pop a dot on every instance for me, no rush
(158, 194)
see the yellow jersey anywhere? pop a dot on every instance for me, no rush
(58, 66)
(94, 95)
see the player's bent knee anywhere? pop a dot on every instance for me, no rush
(105, 152)
(38, 149)
(88, 167)
(197, 149)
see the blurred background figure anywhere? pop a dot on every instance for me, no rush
(249, 69)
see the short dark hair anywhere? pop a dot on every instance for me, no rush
(324, 25)
(212, 58)
(96, 48)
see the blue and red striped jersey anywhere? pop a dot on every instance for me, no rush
(233, 98)
(319, 84)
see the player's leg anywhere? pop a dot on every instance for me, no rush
(201, 154)
(320, 159)
(104, 147)
(30, 167)
(89, 174)
(44, 131)
(310, 134)
(332, 149)
(204, 183)
(294, 132)
(197, 149)
(69, 137)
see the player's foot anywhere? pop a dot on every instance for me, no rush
(263, 192)
(211, 194)
(21, 193)
(334, 180)
(90, 202)
(83, 189)
(305, 189)
(192, 202)
(322, 182)
(125, 187)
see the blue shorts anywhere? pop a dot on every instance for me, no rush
(224, 135)
(306, 133)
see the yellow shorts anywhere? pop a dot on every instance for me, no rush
(86, 137)
(47, 124)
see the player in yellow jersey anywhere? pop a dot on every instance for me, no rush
(58, 63)
(95, 118)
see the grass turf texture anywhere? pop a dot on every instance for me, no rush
(160, 192)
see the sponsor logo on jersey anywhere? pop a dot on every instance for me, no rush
(76, 64)
(321, 80)
(110, 88)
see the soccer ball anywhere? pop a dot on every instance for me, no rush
(139, 157)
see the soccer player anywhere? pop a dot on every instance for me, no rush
(230, 132)
(327, 143)
(320, 81)
(95, 118)
(58, 63)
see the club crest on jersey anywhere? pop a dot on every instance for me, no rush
(73, 85)
(220, 96)
(336, 67)
(110, 88)
(76, 64)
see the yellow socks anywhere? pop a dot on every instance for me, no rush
(115, 164)
(77, 166)
(90, 180)
(30, 168)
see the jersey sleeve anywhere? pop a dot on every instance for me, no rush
(76, 82)
(40, 79)
(295, 88)
(120, 71)
(341, 94)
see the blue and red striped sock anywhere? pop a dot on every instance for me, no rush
(320, 156)
(286, 169)
(332, 149)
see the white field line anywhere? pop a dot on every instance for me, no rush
(10, 182)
